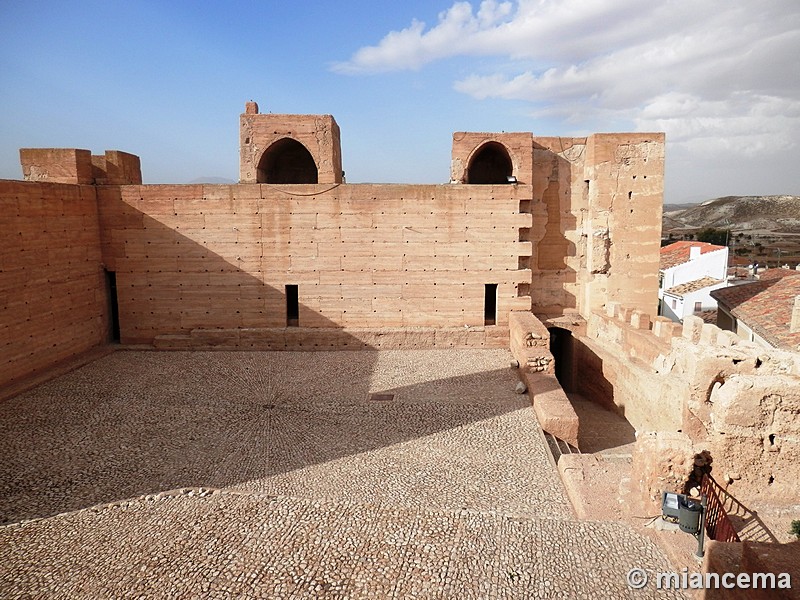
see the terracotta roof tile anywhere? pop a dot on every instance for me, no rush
(692, 286)
(766, 305)
(708, 316)
(678, 253)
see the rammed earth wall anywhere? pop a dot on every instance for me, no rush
(53, 299)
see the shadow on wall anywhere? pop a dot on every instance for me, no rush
(747, 523)
(135, 423)
(591, 378)
(191, 263)
(554, 176)
(580, 370)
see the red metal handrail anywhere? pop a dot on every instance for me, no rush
(718, 524)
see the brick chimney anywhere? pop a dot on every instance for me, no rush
(794, 327)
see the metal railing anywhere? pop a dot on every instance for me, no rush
(718, 525)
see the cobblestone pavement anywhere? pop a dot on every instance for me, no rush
(318, 490)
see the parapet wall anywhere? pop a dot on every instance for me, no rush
(53, 300)
(530, 343)
(733, 398)
(76, 166)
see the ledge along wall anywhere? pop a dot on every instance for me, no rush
(53, 300)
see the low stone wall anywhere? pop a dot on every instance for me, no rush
(530, 342)
(733, 398)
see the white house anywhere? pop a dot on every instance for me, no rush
(688, 273)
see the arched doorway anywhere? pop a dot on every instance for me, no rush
(287, 161)
(490, 164)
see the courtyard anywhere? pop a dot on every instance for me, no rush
(363, 474)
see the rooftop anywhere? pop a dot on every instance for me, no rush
(693, 286)
(766, 305)
(678, 253)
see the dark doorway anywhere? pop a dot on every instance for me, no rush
(113, 305)
(561, 347)
(490, 164)
(287, 161)
(292, 306)
(490, 304)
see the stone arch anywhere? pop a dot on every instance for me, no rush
(490, 163)
(287, 161)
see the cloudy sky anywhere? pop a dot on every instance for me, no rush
(167, 81)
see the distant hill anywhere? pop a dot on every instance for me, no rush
(674, 207)
(778, 214)
(221, 180)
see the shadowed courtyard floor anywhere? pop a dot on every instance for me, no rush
(280, 475)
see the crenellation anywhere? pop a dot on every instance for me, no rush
(692, 328)
(640, 320)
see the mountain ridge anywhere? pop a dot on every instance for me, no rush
(776, 213)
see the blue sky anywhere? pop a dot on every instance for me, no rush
(168, 80)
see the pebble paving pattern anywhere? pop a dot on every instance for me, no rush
(274, 475)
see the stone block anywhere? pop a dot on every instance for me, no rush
(57, 165)
(709, 334)
(640, 320)
(663, 327)
(551, 405)
(692, 327)
(205, 338)
(624, 313)
(726, 339)
(662, 461)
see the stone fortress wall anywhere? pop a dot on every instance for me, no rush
(694, 386)
(53, 297)
(366, 265)
(548, 246)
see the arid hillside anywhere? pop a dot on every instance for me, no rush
(764, 229)
(778, 214)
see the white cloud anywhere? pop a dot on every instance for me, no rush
(459, 31)
(717, 74)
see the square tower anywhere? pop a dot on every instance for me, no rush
(287, 149)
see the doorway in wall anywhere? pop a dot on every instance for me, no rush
(292, 306)
(113, 305)
(490, 304)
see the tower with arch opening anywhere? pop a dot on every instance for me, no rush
(288, 149)
(491, 158)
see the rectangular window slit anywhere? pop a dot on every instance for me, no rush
(113, 305)
(292, 306)
(490, 304)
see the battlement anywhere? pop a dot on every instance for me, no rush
(647, 338)
(80, 167)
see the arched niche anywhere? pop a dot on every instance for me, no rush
(287, 161)
(490, 164)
